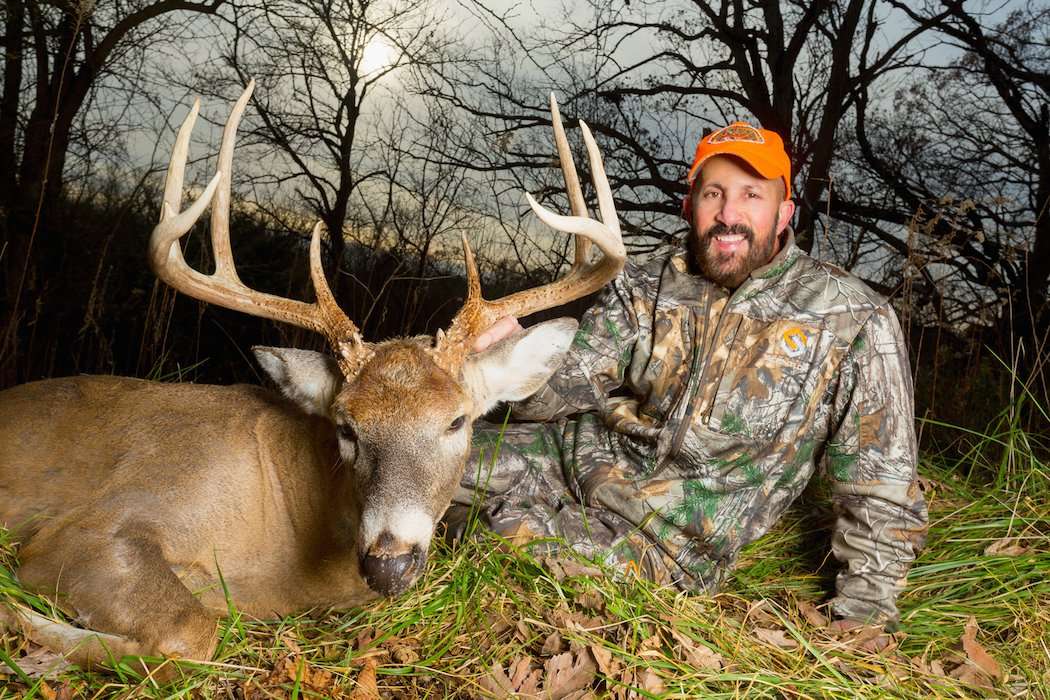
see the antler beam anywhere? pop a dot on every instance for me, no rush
(583, 278)
(224, 287)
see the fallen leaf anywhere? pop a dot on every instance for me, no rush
(295, 669)
(604, 658)
(496, 683)
(777, 638)
(364, 638)
(812, 615)
(553, 644)
(568, 672)
(653, 643)
(580, 695)
(870, 638)
(38, 663)
(404, 655)
(571, 567)
(976, 654)
(937, 668)
(572, 620)
(971, 675)
(289, 641)
(758, 612)
(366, 687)
(698, 656)
(651, 682)
(524, 679)
(554, 566)
(1006, 547)
(591, 600)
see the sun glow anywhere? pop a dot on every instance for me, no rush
(379, 54)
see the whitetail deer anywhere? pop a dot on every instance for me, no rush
(131, 498)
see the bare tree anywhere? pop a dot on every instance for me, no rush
(56, 54)
(321, 67)
(965, 157)
(650, 76)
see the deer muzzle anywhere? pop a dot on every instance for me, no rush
(389, 569)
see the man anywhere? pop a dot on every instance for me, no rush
(701, 393)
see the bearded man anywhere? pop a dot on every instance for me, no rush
(702, 392)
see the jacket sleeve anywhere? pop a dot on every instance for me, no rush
(881, 517)
(597, 360)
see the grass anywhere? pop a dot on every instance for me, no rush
(485, 603)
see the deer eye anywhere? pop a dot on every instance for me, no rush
(457, 424)
(347, 432)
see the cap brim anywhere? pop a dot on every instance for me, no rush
(761, 165)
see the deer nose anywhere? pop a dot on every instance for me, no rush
(389, 572)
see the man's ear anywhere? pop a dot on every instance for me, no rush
(518, 366)
(310, 379)
(784, 214)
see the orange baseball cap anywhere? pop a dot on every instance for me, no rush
(762, 149)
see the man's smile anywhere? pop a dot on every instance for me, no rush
(729, 243)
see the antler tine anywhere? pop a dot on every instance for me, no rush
(572, 181)
(223, 287)
(220, 211)
(583, 277)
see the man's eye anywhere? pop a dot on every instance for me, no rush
(347, 432)
(457, 424)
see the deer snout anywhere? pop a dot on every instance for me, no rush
(389, 567)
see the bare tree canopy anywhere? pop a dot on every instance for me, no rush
(918, 134)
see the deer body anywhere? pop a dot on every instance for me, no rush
(255, 488)
(138, 505)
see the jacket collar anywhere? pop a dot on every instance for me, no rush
(781, 262)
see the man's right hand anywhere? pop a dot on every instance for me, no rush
(506, 326)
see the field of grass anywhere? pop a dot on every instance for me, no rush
(491, 620)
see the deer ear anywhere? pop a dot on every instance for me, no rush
(518, 366)
(309, 379)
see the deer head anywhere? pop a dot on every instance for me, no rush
(401, 410)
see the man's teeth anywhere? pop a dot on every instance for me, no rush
(730, 237)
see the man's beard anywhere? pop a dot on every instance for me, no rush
(730, 270)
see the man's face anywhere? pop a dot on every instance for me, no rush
(738, 217)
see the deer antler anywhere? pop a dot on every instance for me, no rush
(224, 287)
(583, 277)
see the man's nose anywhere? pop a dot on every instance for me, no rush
(729, 213)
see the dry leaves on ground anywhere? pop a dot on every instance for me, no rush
(366, 687)
(38, 663)
(778, 638)
(566, 676)
(872, 639)
(291, 672)
(699, 656)
(812, 615)
(562, 568)
(978, 668)
(1006, 547)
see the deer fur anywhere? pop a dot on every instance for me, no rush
(131, 497)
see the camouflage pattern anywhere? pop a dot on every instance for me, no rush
(687, 418)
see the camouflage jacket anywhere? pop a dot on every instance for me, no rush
(718, 406)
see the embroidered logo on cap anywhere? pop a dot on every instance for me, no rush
(737, 132)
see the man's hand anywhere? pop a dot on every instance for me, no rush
(506, 326)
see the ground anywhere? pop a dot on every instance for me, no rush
(490, 620)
